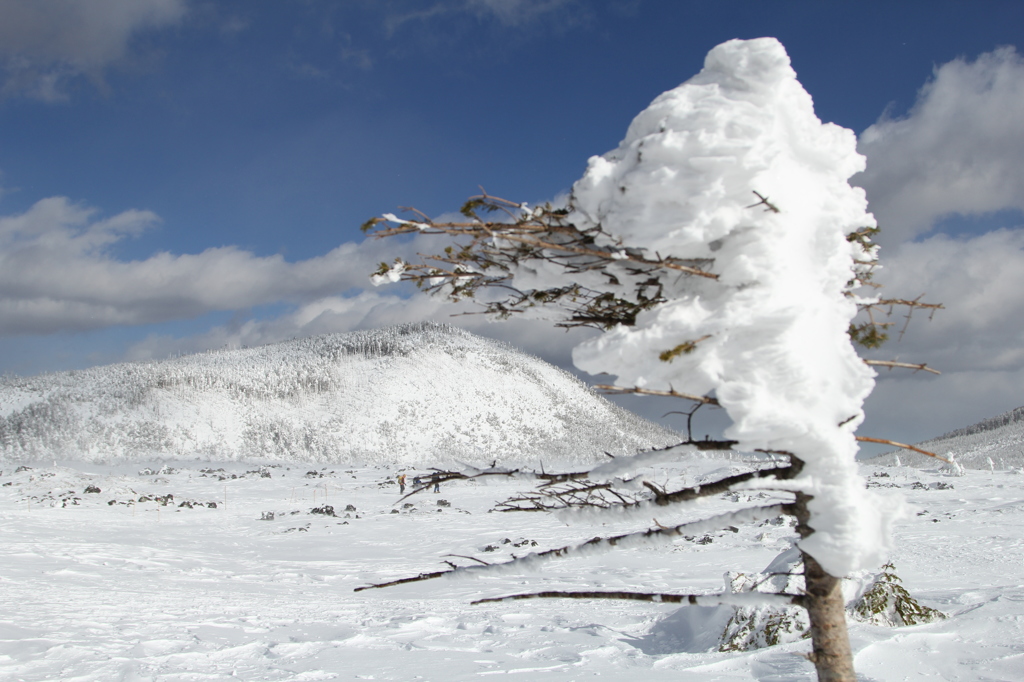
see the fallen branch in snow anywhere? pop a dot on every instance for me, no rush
(724, 485)
(615, 469)
(444, 476)
(662, 534)
(883, 441)
(730, 598)
(575, 494)
(907, 365)
(592, 496)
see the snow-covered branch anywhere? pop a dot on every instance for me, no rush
(588, 496)
(601, 544)
(752, 598)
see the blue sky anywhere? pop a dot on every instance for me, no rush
(178, 175)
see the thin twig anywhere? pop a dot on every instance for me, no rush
(502, 231)
(907, 365)
(769, 206)
(671, 393)
(902, 445)
(471, 558)
(722, 486)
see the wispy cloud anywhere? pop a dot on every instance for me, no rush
(515, 12)
(510, 13)
(57, 273)
(980, 281)
(975, 341)
(959, 150)
(44, 44)
(367, 310)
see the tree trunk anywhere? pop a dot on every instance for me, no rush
(823, 600)
(831, 653)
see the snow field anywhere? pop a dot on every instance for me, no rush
(93, 591)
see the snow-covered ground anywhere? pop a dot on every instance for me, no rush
(133, 590)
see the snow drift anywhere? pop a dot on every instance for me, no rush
(424, 394)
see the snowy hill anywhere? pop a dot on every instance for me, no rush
(994, 443)
(416, 393)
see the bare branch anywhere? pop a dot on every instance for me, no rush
(902, 445)
(907, 365)
(910, 303)
(573, 494)
(599, 544)
(471, 558)
(671, 393)
(769, 206)
(731, 598)
(509, 233)
(444, 476)
(724, 485)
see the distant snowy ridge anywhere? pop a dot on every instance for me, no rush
(993, 443)
(416, 394)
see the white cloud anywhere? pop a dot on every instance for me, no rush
(960, 150)
(368, 310)
(980, 281)
(57, 273)
(46, 43)
(977, 341)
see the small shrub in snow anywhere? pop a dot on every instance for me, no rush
(756, 627)
(953, 467)
(886, 602)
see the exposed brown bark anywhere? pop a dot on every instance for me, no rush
(831, 654)
(884, 441)
(823, 599)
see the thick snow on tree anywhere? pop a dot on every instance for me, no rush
(721, 249)
(770, 336)
(720, 246)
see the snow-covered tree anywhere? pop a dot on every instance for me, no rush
(724, 253)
